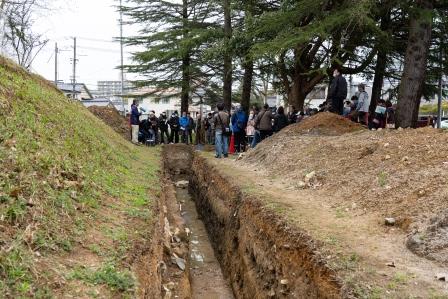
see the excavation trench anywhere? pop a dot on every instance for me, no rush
(237, 247)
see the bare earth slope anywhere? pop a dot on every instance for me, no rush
(398, 173)
(112, 117)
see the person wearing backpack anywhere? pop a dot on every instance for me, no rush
(239, 123)
(221, 122)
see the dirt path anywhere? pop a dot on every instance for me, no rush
(371, 257)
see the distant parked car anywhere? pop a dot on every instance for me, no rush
(444, 124)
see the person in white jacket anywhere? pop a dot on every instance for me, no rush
(363, 104)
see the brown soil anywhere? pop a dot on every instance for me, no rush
(371, 259)
(399, 173)
(260, 253)
(321, 124)
(112, 118)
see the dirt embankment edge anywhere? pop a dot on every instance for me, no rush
(260, 254)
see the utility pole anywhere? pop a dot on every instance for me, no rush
(439, 100)
(56, 64)
(121, 52)
(74, 68)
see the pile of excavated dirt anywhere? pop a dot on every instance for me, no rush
(397, 173)
(113, 119)
(325, 123)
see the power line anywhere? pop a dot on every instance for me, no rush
(99, 49)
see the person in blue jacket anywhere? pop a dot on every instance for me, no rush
(184, 123)
(239, 123)
(135, 121)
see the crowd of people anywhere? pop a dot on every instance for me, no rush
(248, 129)
(216, 128)
(357, 108)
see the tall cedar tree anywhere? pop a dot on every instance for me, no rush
(169, 43)
(412, 82)
(311, 37)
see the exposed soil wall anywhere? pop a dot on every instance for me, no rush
(260, 254)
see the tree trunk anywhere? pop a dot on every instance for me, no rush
(411, 86)
(296, 96)
(247, 83)
(186, 61)
(227, 81)
(380, 67)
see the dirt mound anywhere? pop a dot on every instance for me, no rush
(112, 118)
(325, 123)
(430, 239)
(396, 173)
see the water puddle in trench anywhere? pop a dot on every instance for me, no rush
(207, 280)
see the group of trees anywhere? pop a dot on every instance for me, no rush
(17, 36)
(213, 46)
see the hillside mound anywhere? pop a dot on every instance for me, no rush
(112, 118)
(396, 173)
(325, 123)
(73, 196)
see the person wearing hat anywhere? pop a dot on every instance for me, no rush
(363, 104)
(163, 126)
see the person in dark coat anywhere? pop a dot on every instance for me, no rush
(239, 123)
(135, 121)
(264, 122)
(154, 125)
(174, 127)
(293, 113)
(191, 127)
(163, 126)
(280, 119)
(337, 92)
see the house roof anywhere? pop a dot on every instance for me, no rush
(68, 87)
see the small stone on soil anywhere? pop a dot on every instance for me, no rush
(391, 264)
(442, 276)
(389, 221)
(182, 184)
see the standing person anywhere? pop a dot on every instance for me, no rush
(264, 122)
(163, 125)
(221, 122)
(256, 138)
(174, 127)
(200, 132)
(191, 127)
(135, 121)
(250, 129)
(239, 123)
(337, 92)
(184, 123)
(280, 120)
(390, 115)
(363, 105)
(209, 128)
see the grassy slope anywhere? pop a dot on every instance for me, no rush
(73, 195)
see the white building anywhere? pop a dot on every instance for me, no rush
(167, 101)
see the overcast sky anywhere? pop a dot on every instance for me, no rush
(95, 24)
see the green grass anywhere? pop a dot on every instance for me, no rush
(58, 165)
(108, 275)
